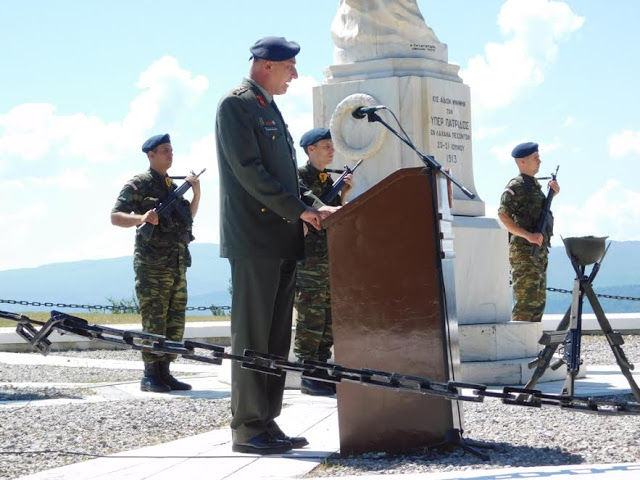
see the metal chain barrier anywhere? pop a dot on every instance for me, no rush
(601, 295)
(122, 309)
(325, 372)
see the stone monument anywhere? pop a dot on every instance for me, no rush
(386, 55)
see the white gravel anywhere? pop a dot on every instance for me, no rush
(74, 432)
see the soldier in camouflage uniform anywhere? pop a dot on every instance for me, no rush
(314, 335)
(160, 263)
(520, 210)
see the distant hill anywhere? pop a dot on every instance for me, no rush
(93, 281)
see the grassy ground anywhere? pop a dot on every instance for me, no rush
(107, 318)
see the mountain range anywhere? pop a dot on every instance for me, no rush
(93, 282)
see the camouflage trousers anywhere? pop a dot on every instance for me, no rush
(528, 282)
(162, 296)
(314, 333)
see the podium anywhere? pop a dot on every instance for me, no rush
(393, 307)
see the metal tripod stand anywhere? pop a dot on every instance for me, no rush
(582, 251)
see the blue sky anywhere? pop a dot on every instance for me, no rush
(85, 83)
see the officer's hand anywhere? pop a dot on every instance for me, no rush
(326, 211)
(553, 185)
(150, 217)
(535, 238)
(312, 217)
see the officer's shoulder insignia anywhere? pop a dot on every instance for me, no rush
(240, 90)
(509, 191)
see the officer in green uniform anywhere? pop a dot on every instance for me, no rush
(261, 235)
(520, 210)
(160, 263)
(314, 335)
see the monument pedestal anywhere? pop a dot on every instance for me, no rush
(433, 106)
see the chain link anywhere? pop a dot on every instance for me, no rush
(325, 372)
(601, 295)
(213, 308)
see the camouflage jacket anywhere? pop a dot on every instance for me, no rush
(315, 184)
(167, 247)
(523, 200)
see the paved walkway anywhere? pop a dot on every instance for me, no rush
(209, 455)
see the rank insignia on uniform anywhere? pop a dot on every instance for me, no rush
(261, 101)
(270, 123)
(167, 180)
(509, 191)
(323, 176)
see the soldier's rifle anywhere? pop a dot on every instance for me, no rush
(166, 207)
(546, 212)
(321, 371)
(337, 186)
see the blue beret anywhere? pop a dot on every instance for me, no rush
(315, 135)
(154, 141)
(524, 150)
(276, 49)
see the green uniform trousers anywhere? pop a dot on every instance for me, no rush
(261, 311)
(529, 283)
(162, 297)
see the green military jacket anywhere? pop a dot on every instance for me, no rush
(316, 184)
(260, 204)
(523, 201)
(168, 246)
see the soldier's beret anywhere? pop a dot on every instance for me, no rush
(524, 150)
(314, 135)
(276, 49)
(154, 141)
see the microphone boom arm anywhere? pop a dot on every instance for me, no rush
(428, 160)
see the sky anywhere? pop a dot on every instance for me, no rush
(85, 83)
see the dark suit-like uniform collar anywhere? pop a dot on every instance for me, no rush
(267, 96)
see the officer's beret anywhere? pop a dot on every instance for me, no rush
(524, 150)
(313, 136)
(276, 49)
(154, 141)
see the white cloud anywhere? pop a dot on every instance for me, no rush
(35, 132)
(625, 143)
(601, 214)
(62, 173)
(534, 29)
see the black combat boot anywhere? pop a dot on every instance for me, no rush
(316, 388)
(151, 382)
(172, 382)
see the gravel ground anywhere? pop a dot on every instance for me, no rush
(77, 432)
(519, 436)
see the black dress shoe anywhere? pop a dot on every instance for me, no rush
(263, 444)
(316, 388)
(296, 442)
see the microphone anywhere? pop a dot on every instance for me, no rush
(362, 112)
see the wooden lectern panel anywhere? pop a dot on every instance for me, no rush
(389, 313)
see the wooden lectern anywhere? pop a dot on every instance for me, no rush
(393, 305)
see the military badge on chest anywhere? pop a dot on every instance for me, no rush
(270, 127)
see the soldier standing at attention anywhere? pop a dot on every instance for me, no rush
(160, 264)
(261, 235)
(314, 335)
(520, 210)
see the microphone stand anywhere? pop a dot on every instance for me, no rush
(428, 160)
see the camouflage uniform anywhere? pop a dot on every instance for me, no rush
(314, 335)
(160, 264)
(523, 200)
